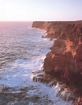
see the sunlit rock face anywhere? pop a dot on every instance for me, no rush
(64, 61)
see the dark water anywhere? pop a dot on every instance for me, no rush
(22, 51)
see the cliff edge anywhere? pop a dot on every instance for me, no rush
(64, 61)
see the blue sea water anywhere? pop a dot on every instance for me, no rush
(22, 51)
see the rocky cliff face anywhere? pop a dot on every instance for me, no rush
(64, 61)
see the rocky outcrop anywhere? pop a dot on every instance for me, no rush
(41, 25)
(64, 61)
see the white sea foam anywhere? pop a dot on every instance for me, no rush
(19, 73)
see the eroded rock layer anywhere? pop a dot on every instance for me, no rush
(64, 61)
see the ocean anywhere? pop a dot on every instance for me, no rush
(22, 51)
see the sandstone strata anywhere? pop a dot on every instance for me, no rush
(64, 61)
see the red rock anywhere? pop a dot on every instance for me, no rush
(79, 102)
(65, 59)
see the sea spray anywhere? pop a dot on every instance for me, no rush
(23, 54)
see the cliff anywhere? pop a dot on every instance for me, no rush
(64, 61)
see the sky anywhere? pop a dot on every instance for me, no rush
(40, 10)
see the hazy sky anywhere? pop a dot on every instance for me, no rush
(30, 10)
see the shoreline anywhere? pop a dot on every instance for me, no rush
(64, 60)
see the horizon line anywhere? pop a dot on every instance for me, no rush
(39, 20)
